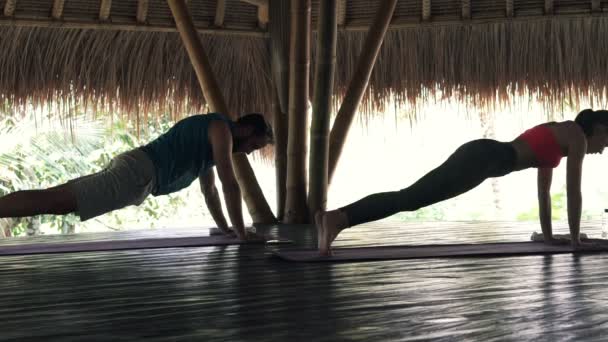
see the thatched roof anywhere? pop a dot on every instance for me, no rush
(128, 56)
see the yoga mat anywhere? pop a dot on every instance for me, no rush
(436, 251)
(113, 245)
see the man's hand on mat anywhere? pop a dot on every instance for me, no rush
(246, 235)
(557, 241)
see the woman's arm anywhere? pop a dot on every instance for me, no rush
(545, 175)
(576, 153)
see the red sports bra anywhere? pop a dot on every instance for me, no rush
(544, 145)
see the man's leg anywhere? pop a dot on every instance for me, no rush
(58, 200)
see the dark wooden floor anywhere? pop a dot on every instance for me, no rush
(241, 294)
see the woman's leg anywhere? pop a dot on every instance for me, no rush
(465, 169)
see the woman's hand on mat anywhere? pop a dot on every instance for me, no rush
(228, 232)
(578, 244)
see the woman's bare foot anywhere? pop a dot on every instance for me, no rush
(329, 225)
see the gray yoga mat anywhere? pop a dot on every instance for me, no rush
(436, 251)
(112, 245)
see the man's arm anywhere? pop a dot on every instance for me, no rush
(545, 176)
(576, 154)
(212, 199)
(220, 138)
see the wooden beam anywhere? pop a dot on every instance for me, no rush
(510, 11)
(57, 11)
(220, 12)
(9, 8)
(250, 188)
(95, 25)
(596, 6)
(142, 11)
(358, 85)
(104, 9)
(426, 10)
(466, 9)
(341, 12)
(548, 6)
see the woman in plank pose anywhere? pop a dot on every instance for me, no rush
(540, 147)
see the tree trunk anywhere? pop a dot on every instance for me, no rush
(279, 29)
(252, 194)
(358, 85)
(321, 109)
(297, 146)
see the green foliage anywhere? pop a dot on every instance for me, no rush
(37, 155)
(558, 208)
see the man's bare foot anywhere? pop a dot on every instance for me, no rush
(329, 225)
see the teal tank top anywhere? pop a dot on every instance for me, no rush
(181, 153)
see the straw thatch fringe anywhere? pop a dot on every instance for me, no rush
(559, 61)
(556, 61)
(133, 73)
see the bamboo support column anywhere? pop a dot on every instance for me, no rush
(9, 8)
(220, 11)
(252, 194)
(341, 12)
(57, 11)
(358, 85)
(548, 6)
(104, 9)
(321, 108)
(426, 10)
(279, 30)
(510, 11)
(466, 9)
(299, 68)
(142, 11)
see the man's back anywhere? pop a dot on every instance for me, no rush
(181, 153)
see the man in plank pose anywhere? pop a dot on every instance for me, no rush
(168, 164)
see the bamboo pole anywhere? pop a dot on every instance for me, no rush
(142, 11)
(321, 109)
(57, 11)
(510, 11)
(341, 12)
(426, 10)
(220, 12)
(358, 85)
(299, 53)
(252, 194)
(263, 17)
(466, 9)
(104, 9)
(548, 6)
(9, 8)
(279, 30)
